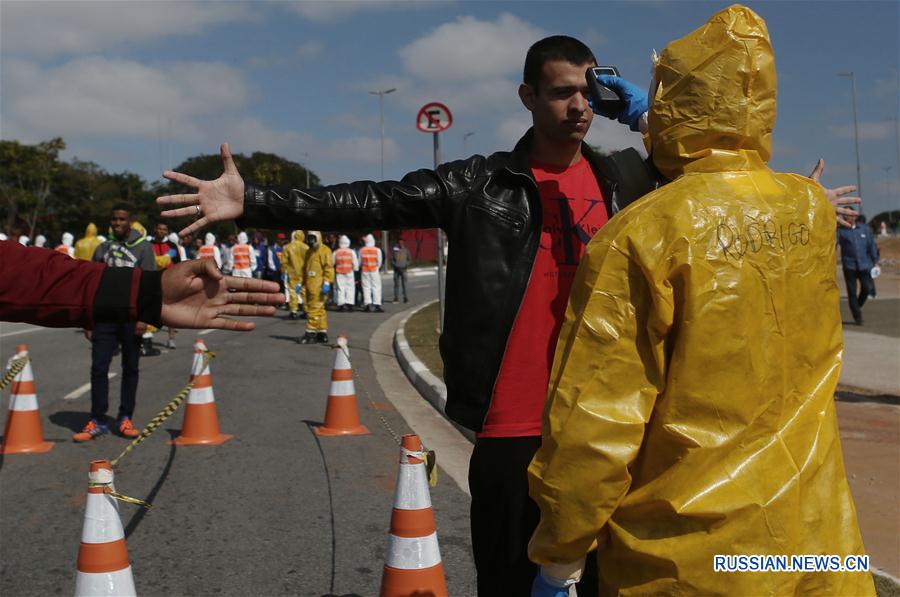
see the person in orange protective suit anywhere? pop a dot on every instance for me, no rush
(318, 276)
(691, 416)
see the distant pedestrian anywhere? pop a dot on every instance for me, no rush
(65, 247)
(293, 262)
(274, 269)
(209, 250)
(166, 255)
(345, 265)
(370, 259)
(318, 275)
(400, 259)
(127, 248)
(85, 247)
(243, 257)
(859, 254)
(40, 241)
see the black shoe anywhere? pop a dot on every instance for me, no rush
(858, 319)
(308, 338)
(147, 348)
(293, 315)
(368, 309)
(302, 315)
(405, 300)
(322, 338)
(378, 309)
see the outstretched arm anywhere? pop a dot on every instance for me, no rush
(836, 196)
(195, 294)
(422, 199)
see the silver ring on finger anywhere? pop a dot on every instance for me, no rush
(199, 211)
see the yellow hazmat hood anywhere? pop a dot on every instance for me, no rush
(90, 231)
(714, 92)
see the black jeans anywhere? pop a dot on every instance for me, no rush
(864, 277)
(399, 280)
(105, 339)
(503, 518)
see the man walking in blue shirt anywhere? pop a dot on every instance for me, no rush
(859, 255)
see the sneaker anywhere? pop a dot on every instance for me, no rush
(368, 309)
(322, 338)
(90, 431)
(378, 309)
(126, 428)
(293, 315)
(170, 344)
(308, 338)
(405, 300)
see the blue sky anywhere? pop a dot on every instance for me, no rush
(140, 86)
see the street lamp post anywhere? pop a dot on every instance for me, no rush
(466, 144)
(855, 130)
(384, 233)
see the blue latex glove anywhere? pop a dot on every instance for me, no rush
(636, 102)
(326, 287)
(298, 289)
(543, 587)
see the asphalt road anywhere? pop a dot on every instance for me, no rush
(275, 511)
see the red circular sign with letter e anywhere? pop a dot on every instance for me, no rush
(434, 118)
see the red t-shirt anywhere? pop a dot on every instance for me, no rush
(574, 211)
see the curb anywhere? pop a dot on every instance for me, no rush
(426, 383)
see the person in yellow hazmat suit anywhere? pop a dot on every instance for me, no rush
(690, 428)
(85, 247)
(292, 262)
(318, 276)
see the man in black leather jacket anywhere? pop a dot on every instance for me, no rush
(497, 217)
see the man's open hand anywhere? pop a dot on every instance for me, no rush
(219, 200)
(197, 295)
(836, 196)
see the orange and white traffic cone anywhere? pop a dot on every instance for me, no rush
(23, 431)
(201, 421)
(341, 413)
(103, 565)
(413, 564)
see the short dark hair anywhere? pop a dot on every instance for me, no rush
(555, 47)
(121, 206)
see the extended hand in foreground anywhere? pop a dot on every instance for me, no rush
(215, 200)
(836, 196)
(197, 295)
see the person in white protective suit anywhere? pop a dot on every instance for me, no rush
(243, 258)
(66, 247)
(40, 241)
(345, 263)
(209, 250)
(370, 262)
(176, 240)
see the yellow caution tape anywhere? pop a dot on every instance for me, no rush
(14, 369)
(122, 498)
(164, 414)
(431, 467)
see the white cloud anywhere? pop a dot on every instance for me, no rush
(867, 130)
(309, 50)
(46, 29)
(469, 48)
(358, 149)
(330, 11)
(593, 39)
(119, 98)
(610, 135)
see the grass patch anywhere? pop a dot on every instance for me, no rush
(422, 335)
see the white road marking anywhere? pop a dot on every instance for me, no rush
(82, 390)
(17, 332)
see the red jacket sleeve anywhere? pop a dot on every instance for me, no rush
(47, 288)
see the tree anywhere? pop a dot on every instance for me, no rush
(26, 176)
